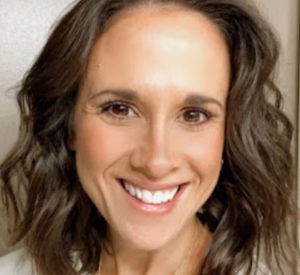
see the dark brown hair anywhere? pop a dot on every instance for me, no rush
(253, 207)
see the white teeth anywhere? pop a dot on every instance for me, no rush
(151, 197)
(166, 196)
(173, 193)
(138, 193)
(132, 190)
(146, 196)
(158, 197)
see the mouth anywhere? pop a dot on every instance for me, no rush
(151, 197)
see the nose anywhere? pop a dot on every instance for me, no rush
(154, 155)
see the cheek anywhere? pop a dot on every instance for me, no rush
(205, 153)
(98, 145)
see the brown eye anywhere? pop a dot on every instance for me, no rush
(193, 117)
(118, 110)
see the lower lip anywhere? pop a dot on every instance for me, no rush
(154, 209)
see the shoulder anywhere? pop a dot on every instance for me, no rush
(16, 263)
(19, 263)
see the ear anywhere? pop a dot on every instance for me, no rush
(72, 143)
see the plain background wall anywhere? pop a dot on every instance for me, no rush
(24, 27)
(284, 16)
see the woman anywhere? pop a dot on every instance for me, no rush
(152, 141)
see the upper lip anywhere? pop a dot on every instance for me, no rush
(151, 186)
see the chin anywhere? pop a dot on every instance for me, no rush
(147, 239)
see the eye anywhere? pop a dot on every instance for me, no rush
(194, 117)
(118, 109)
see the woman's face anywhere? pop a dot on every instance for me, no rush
(151, 116)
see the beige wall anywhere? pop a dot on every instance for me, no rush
(284, 16)
(298, 263)
(24, 27)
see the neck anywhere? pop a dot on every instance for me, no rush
(182, 255)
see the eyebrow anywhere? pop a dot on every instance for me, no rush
(121, 93)
(131, 95)
(197, 99)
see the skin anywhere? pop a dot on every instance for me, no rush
(163, 55)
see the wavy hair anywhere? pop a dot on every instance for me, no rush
(252, 211)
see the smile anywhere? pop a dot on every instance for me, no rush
(154, 201)
(147, 196)
(150, 197)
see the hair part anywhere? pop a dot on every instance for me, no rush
(253, 206)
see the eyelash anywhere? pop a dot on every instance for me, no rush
(105, 109)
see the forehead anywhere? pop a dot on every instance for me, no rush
(160, 49)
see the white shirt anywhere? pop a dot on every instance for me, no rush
(16, 263)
